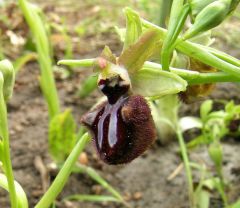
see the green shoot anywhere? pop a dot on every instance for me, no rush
(22, 201)
(7, 79)
(62, 177)
(44, 56)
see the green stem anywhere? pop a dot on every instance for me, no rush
(6, 159)
(192, 77)
(63, 175)
(187, 167)
(178, 17)
(165, 7)
(198, 52)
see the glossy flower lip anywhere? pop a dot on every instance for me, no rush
(118, 130)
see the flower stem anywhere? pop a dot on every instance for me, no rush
(63, 175)
(200, 53)
(187, 167)
(7, 165)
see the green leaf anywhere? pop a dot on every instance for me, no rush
(8, 73)
(135, 55)
(62, 136)
(133, 28)
(92, 198)
(216, 154)
(22, 60)
(202, 198)
(21, 196)
(236, 205)
(200, 140)
(88, 86)
(178, 17)
(205, 109)
(95, 176)
(154, 83)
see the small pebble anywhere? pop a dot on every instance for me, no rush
(97, 189)
(137, 195)
(18, 128)
(83, 158)
(127, 196)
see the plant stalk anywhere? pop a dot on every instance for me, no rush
(63, 175)
(6, 158)
(165, 8)
(198, 52)
(187, 166)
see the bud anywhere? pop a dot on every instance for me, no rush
(233, 6)
(211, 16)
(198, 5)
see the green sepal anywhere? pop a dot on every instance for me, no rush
(108, 55)
(8, 73)
(121, 32)
(153, 83)
(135, 55)
(62, 137)
(133, 27)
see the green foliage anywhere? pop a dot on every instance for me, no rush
(92, 198)
(8, 76)
(116, 196)
(88, 86)
(133, 27)
(178, 17)
(40, 34)
(205, 109)
(22, 201)
(62, 136)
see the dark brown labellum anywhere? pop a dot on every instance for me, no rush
(113, 88)
(123, 130)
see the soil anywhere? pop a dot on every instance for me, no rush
(143, 183)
